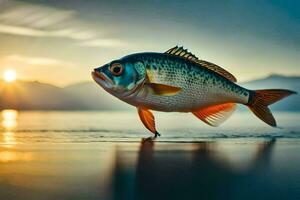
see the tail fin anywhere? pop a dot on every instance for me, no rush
(261, 99)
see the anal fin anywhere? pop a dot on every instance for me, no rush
(215, 115)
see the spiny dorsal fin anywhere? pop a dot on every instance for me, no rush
(181, 52)
(217, 69)
(184, 53)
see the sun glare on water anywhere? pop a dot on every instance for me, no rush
(9, 75)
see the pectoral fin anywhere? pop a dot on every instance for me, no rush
(164, 90)
(160, 89)
(148, 120)
(215, 115)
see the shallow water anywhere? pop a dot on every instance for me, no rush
(88, 127)
(102, 155)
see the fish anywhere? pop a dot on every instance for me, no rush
(178, 81)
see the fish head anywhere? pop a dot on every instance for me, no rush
(120, 77)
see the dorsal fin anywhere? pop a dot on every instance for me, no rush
(184, 53)
(181, 52)
(217, 69)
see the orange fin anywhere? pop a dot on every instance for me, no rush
(260, 99)
(148, 119)
(164, 90)
(215, 115)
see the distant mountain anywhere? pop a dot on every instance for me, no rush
(36, 96)
(89, 96)
(275, 81)
(40, 96)
(92, 96)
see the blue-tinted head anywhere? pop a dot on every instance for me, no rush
(120, 76)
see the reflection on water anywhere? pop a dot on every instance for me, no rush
(67, 155)
(9, 139)
(200, 172)
(9, 123)
(13, 156)
(9, 119)
(151, 170)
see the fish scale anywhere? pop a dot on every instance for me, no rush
(199, 87)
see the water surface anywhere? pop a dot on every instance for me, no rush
(88, 127)
(106, 155)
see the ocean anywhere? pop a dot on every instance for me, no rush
(92, 127)
(111, 156)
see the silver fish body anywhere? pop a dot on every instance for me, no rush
(200, 87)
(177, 81)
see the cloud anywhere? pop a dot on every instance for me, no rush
(35, 61)
(68, 33)
(26, 19)
(34, 15)
(102, 43)
(45, 69)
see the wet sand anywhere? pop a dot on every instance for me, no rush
(224, 169)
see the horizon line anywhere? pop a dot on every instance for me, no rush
(87, 81)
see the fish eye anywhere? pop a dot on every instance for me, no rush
(116, 69)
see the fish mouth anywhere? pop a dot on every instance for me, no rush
(102, 79)
(99, 75)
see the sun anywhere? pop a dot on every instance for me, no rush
(9, 75)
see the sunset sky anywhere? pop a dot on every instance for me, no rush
(62, 41)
